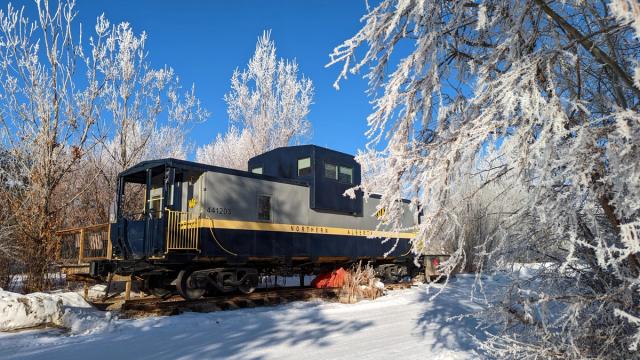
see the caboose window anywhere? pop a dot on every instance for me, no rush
(304, 166)
(257, 170)
(331, 171)
(264, 207)
(345, 175)
(155, 206)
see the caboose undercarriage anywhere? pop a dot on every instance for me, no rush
(193, 279)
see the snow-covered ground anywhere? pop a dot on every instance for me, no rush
(404, 324)
(66, 310)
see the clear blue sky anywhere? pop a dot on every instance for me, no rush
(204, 41)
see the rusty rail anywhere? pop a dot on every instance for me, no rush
(262, 297)
(175, 304)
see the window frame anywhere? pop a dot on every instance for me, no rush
(258, 209)
(325, 171)
(310, 166)
(156, 212)
(340, 167)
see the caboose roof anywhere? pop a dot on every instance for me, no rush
(310, 147)
(136, 173)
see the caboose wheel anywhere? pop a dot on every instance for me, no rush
(188, 287)
(249, 285)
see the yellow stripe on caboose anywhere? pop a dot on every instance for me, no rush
(297, 228)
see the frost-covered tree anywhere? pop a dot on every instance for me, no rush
(46, 121)
(268, 106)
(8, 248)
(232, 150)
(95, 184)
(61, 101)
(629, 11)
(549, 85)
(134, 97)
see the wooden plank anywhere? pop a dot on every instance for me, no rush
(81, 250)
(127, 289)
(116, 277)
(77, 229)
(106, 291)
(71, 270)
(109, 244)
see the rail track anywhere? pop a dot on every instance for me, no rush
(175, 304)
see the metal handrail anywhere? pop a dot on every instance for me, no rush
(183, 231)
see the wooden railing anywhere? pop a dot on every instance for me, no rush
(81, 245)
(183, 231)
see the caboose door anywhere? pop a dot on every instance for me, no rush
(154, 212)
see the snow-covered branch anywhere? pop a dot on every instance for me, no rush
(545, 87)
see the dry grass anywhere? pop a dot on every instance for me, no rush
(359, 283)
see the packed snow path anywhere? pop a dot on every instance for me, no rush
(405, 323)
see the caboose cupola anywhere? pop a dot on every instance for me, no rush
(329, 174)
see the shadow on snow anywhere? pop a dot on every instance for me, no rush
(244, 334)
(448, 317)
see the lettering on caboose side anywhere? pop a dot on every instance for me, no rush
(219, 210)
(309, 229)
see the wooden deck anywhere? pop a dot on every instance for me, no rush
(78, 247)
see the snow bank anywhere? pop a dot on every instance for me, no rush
(86, 321)
(64, 309)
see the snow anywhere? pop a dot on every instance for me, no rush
(404, 323)
(64, 309)
(527, 271)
